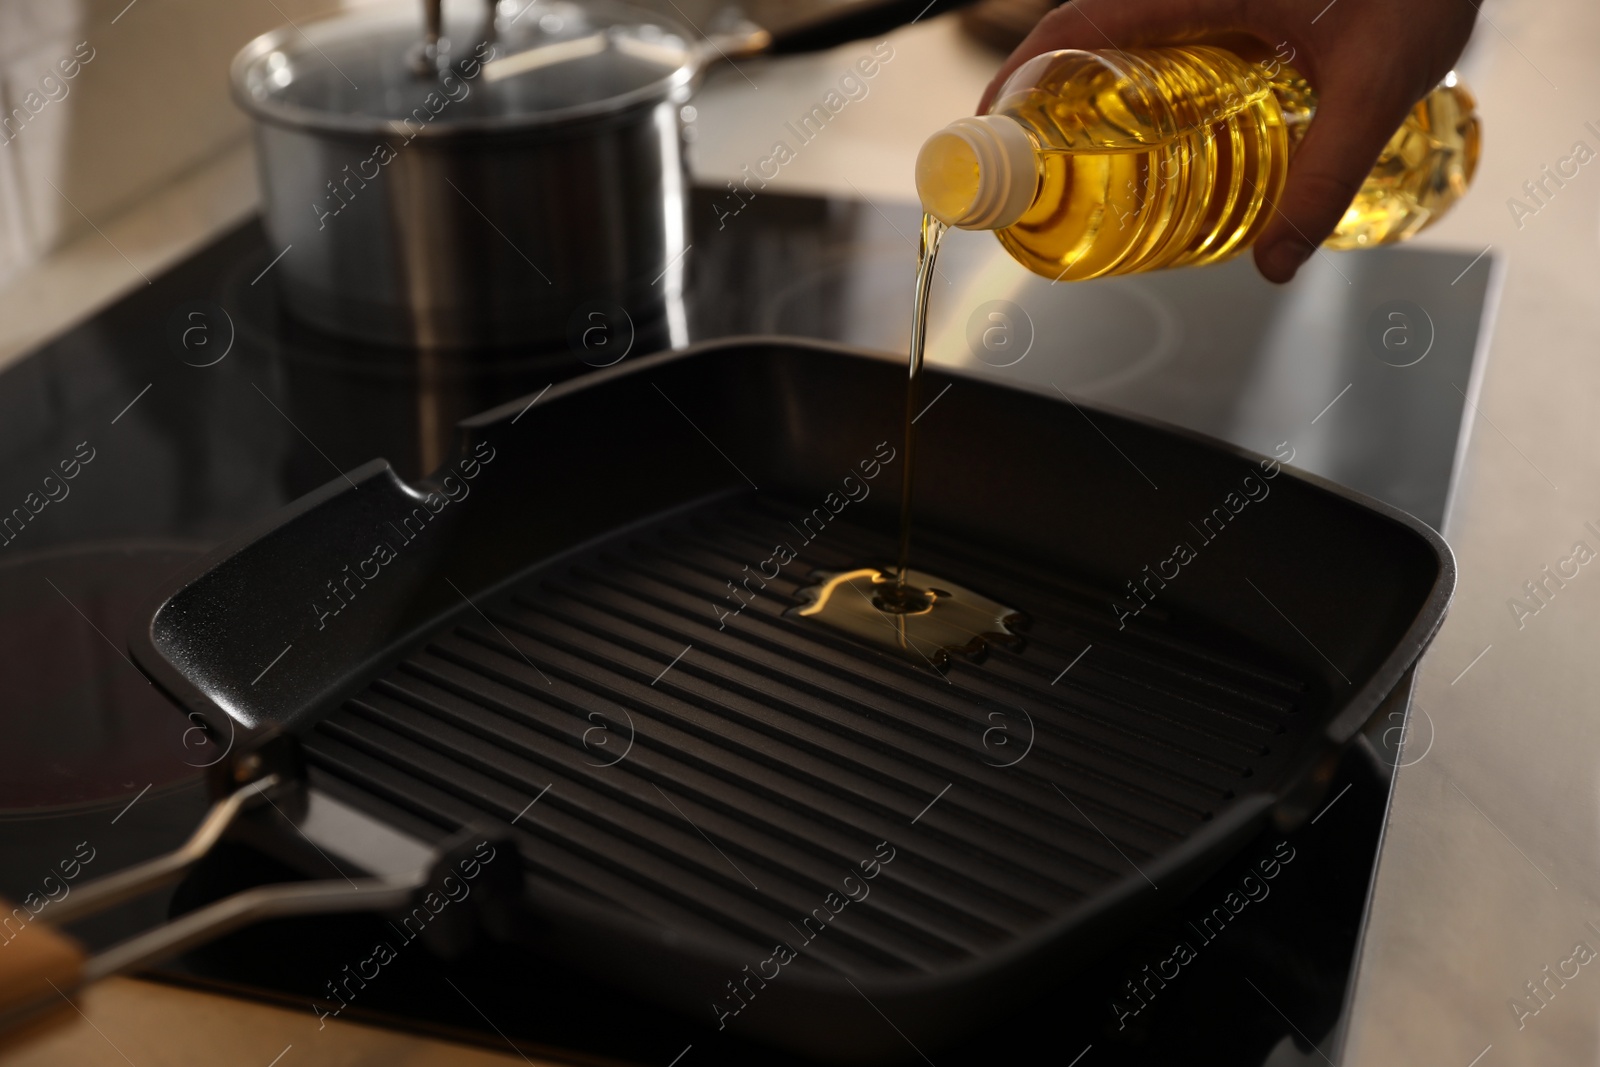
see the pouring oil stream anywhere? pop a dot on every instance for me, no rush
(903, 599)
(918, 616)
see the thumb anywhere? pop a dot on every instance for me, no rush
(1348, 131)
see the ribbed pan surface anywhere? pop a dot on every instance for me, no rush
(731, 791)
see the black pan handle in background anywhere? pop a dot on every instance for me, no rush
(783, 27)
(852, 22)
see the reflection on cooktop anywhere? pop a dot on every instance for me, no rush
(199, 434)
(96, 731)
(97, 765)
(1118, 333)
(1387, 333)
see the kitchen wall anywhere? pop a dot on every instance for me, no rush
(103, 102)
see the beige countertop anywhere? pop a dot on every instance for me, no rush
(126, 1021)
(1490, 869)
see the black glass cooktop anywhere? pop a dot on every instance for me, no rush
(167, 421)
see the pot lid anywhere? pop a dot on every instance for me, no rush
(544, 62)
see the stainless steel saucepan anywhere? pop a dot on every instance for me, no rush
(479, 177)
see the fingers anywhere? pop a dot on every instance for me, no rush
(1116, 24)
(1348, 132)
(1363, 100)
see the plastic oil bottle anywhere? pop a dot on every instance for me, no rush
(1110, 162)
(1096, 163)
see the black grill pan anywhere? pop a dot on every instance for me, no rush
(693, 776)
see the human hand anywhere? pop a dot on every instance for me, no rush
(1369, 60)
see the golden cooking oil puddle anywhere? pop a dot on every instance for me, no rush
(924, 619)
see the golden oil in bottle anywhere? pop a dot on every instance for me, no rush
(1098, 163)
(1424, 169)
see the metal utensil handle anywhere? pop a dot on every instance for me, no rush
(39, 965)
(42, 966)
(143, 877)
(425, 56)
(245, 907)
(433, 20)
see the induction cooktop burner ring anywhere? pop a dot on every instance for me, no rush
(1124, 329)
(92, 719)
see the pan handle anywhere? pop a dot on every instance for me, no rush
(42, 967)
(38, 968)
(143, 877)
(193, 928)
(866, 18)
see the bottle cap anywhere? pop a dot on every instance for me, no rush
(978, 173)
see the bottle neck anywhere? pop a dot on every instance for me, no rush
(978, 173)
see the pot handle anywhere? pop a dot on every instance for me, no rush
(866, 18)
